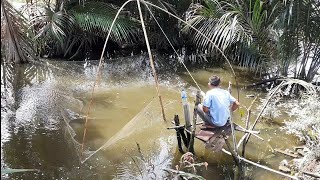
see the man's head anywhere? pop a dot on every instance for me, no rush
(214, 81)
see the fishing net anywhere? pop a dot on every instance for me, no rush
(149, 115)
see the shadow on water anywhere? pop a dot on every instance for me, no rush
(126, 111)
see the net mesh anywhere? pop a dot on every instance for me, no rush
(148, 116)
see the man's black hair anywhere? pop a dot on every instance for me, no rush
(214, 80)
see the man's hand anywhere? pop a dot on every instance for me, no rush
(235, 105)
(205, 109)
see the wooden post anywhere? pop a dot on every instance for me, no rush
(246, 138)
(195, 115)
(177, 123)
(184, 137)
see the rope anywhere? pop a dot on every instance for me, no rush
(192, 27)
(179, 57)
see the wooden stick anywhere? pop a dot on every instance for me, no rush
(251, 132)
(316, 175)
(151, 60)
(256, 164)
(176, 127)
(254, 133)
(180, 129)
(285, 153)
(247, 128)
(261, 166)
(233, 153)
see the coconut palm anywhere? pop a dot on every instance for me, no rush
(16, 37)
(242, 28)
(259, 34)
(75, 27)
(299, 41)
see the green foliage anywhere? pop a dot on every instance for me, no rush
(57, 25)
(259, 34)
(299, 37)
(96, 18)
(238, 29)
(69, 31)
(16, 40)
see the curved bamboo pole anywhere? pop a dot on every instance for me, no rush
(98, 74)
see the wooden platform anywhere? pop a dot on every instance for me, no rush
(213, 136)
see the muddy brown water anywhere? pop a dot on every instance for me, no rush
(125, 113)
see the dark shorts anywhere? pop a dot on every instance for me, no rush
(205, 116)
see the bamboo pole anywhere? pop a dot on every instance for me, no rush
(151, 60)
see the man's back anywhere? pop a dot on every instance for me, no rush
(218, 101)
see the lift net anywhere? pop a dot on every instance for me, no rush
(148, 116)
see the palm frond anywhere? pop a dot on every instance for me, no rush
(57, 25)
(241, 30)
(17, 40)
(96, 18)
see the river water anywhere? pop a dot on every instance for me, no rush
(42, 122)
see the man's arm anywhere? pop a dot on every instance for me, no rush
(234, 105)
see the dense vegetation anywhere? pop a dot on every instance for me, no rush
(279, 37)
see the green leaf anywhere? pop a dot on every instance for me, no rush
(241, 112)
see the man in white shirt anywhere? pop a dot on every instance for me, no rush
(217, 103)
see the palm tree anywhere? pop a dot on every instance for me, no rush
(74, 27)
(259, 34)
(299, 42)
(16, 37)
(242, 28)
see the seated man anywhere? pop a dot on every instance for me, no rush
(217, 103)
